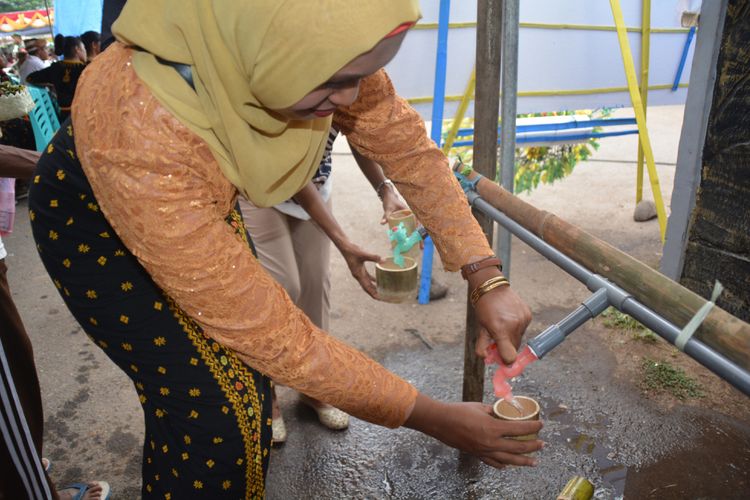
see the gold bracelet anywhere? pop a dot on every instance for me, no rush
(487, 286)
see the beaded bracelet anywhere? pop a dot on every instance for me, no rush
(487, 286)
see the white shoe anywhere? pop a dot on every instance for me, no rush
(278, 430)
(333, 418)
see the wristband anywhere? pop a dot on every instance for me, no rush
(481, 264)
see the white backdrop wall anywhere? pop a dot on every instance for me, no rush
(551, 59)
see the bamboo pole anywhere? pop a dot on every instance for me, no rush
(720, 330)
(460, 112)
(487, 111)
(640, 114)
(645, 60)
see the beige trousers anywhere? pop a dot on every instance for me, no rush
(297, 254)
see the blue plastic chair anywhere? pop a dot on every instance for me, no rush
(44, 121)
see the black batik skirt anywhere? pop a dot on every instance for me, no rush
(207, 414)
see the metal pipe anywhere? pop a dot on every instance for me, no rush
(620, 299)
(508, 107)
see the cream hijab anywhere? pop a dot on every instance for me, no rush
(247, 57)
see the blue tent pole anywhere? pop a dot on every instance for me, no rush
(685, 51)
(436, 133)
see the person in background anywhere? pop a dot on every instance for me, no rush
(17, 43)
(23, 475)
(3, 62)
(110, 10)
(293, 242)
(63, 75)
(59, 46)
(92, 41)
(36, 58)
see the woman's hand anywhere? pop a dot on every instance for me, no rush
(502, 314)
(471, 428)
(355, 258)
(392, 202)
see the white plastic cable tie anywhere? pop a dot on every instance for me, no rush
(687, 333)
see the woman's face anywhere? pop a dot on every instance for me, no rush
(81, 52)
(41, 51)
(341, 89)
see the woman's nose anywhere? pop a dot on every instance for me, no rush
(345, 96)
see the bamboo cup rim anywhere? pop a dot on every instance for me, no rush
(390, 267)
(404, 213)
(530, 405)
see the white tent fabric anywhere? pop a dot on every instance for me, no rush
(74, 17)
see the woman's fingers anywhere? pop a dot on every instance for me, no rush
(513, 452)
(506, 317)
(483, 342)
(506, 349)
(367, 282)
(502, 459)
(521, 428)
(371, 257)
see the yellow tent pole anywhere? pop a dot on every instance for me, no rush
(640, 115)
(461, 112)
(645, 60)
(553, 93)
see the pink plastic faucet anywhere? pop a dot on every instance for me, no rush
(505, 372)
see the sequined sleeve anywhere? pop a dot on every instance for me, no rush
(164, 195)
(385, 128)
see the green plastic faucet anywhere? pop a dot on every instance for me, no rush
(403, 242)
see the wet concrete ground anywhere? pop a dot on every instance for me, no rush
(595, 426)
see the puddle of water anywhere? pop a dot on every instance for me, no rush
(717, 465)
(587, 441)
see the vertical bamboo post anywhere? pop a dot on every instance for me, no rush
(645, 61)
(487, 105)
(640, 116)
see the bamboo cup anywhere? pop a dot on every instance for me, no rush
(506, 411)
(406, 216)
(410, 223)
(396, 284)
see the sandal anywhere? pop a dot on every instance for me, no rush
(84, 487)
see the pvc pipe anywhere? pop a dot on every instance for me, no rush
(441, 65)
(555, 334)
(441, 68)
(683, 58)
(425, 278)
(620, 299)
(558, 139)
(573, 123)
